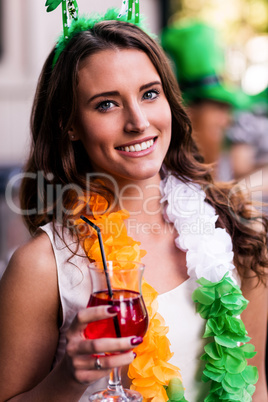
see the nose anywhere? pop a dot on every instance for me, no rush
(136, 120)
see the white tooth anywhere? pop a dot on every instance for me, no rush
(143, 146)
(131, 148)
(137, 147)
(152, 142)
(148, 144)
(127, 149)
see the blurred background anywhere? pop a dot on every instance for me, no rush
(27, 33)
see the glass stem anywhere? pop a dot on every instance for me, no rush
(114, 384)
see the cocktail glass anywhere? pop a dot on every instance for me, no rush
(124, 279)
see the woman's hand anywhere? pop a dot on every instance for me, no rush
(85, 357)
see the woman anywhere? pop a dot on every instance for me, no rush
(109, 107)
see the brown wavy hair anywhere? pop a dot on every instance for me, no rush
(61, 163)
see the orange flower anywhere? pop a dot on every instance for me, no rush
(150, 370)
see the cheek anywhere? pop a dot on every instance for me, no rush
(92, 131)
(165, 117)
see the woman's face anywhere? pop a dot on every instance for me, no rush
(123, 117)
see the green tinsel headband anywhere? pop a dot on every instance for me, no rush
(73, 25)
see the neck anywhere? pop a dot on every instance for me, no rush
(141, 198)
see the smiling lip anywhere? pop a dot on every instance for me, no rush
(136, 142)
(138, 148)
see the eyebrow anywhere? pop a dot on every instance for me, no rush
(116, 93)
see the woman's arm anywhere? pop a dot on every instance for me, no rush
(255, 320)
(29, 331)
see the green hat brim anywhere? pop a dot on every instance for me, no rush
(219, 93)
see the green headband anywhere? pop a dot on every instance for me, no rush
(73, 25)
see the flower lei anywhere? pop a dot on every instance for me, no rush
(150, 371)
(219, 300)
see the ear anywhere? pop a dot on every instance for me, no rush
(72, 134)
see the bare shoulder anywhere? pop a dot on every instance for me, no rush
(38, 247)
(34, 258)
(32, 272)
(29, 306)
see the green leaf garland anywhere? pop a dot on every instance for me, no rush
(232, 379)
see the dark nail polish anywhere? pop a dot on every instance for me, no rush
(136, 341)
(135, 355)
(113, 309)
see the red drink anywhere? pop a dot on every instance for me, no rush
(132, 318)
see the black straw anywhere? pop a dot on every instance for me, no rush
(110, 292)
(102, 254)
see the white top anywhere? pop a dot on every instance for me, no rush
(186, 329)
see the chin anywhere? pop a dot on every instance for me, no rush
(145, 173)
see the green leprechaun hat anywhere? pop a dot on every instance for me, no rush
(198, 59)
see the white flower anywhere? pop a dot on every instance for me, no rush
(203, 224)
(208, 249)
(209, 256)
(185, 202)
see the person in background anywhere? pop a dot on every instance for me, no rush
(198, 59)
(248, 140)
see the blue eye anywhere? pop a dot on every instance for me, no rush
(152, 94)
(105, 105)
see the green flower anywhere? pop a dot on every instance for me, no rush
(175, 390)
(226, 362)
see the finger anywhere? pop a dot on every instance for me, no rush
(122, 359)
(102, 345)
(103, 363)
(90, 376)
(91, 314)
